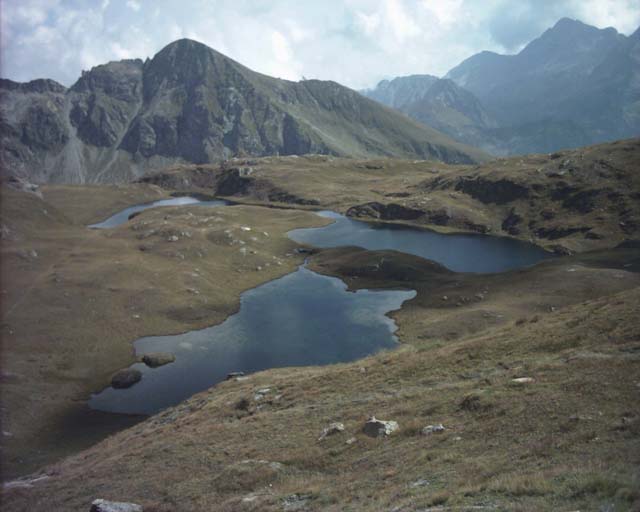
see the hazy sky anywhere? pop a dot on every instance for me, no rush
(355, 42)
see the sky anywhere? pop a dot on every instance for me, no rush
(354, 42)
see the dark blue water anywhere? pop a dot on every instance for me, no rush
(123, 216)
(300, 319)
(303, 318)
(457, 252)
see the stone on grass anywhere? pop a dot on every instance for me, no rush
(155, 359)
(432, 429)
(114, 506)
(334, 428)
(379, 428)
(126, 378)
(296, 502)
(523, 380)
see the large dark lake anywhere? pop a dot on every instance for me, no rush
(300, 319)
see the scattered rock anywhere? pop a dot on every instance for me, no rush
(334, 428)
(378, 428)
(351, 440)
(471, 403)
(126, 378)
(296, 502)
(114, 506)
(432, 429)
(155, 359)
(523, 380)
(419, 483)
(260, 393)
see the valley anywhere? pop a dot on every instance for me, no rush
(74, 300)
(230, 283)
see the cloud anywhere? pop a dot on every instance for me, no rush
(355, 42)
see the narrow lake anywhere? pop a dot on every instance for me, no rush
(123, 216)
(457, 252)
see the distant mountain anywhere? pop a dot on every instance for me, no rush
(574, 85)
(401, 91)
(439, 103)
(192, 104)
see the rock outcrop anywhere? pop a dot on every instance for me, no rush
(114, 506)
(379, 428)
(156, 359)
(126, 378)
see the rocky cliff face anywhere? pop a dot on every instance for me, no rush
(191, 104)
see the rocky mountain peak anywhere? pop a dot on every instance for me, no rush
(39, 85)
(190, 103)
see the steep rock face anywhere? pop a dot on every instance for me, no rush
(191, 104)
(104, 101)
(574, 85)
(33, 123)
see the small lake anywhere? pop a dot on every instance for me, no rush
(123, 216)
(457, 252)
(301, 319)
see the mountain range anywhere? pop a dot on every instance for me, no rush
(574, 85)
(191, 104)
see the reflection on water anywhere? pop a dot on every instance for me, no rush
(457, 252)
(301, 319)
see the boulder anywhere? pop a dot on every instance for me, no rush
(234, 375)
(114, 506)
(432, 429)
(155, 359)
(334, 428)
(126, 378)
(379, 428)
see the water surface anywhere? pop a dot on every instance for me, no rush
(457, 252)
(301, 319)
(123, 216)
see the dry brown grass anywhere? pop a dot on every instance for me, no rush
(566, 441)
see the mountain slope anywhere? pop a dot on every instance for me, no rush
(192, 104)
(439, 103)
(574, 85)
